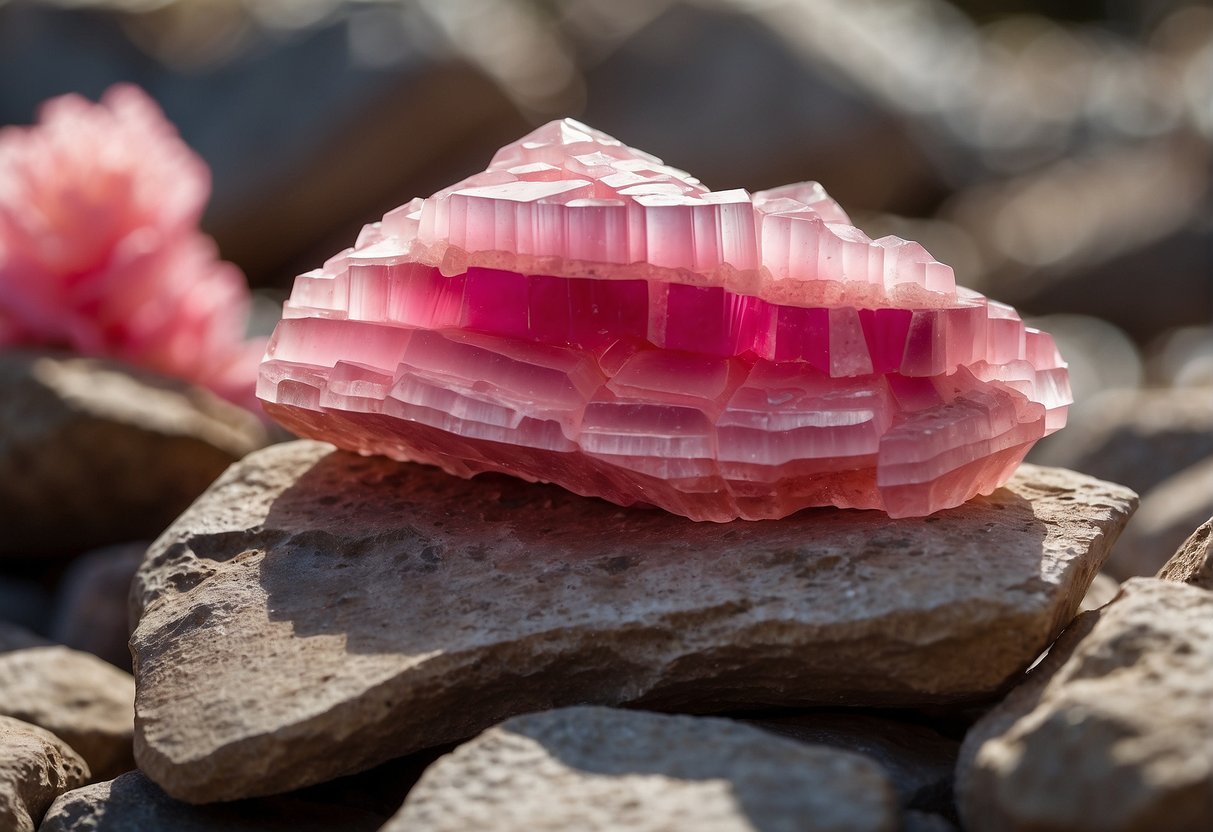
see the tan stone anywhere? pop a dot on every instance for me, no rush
(316, 612)
(35, 768)
(94, 452)
(84, 701)
(1193, 563)
(1112, 733)
(132, 803)
(598, 769)
(1102, 590)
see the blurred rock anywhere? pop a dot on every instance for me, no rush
(1113, 731)
(598, 769)
(35, 768)
(1136, 438)
(82, 700)
(918, 760)
(91, 607)
(1103, 589)
(323, 595)
(1193, 563)
(132, 803)
(1168, 514)
(25, 604)
(916, 821)
(1183, 357)
(1100, 355)
(93, 452)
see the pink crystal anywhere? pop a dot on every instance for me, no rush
(583, 314)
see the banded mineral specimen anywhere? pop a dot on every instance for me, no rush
(583, 314)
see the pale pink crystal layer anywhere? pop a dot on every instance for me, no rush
(582, 314)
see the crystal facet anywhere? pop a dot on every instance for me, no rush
(583, 314)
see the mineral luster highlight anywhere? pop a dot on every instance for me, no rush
(583, 314)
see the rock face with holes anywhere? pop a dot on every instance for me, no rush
(317, 612)
(1192, 563)
(602, 769)
(1114, 731)
(35, 768)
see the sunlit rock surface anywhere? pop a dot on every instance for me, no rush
(581, 313)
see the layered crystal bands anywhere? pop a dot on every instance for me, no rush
(581, 313)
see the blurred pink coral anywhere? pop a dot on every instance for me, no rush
(100, 250)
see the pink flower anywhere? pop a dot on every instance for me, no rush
(100, 250)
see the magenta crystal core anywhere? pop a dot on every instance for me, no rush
(580, 313)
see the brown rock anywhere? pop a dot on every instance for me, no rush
(602, 769)
(919, 761)
(1114, 731)
(317, 612)
(1135, 437)
(93, 602)
(1193, 563)
(1168, 514)
(94, 452)
(132, 803)
(84, 701)
(35, 768)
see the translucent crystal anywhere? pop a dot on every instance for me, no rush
(581, 313)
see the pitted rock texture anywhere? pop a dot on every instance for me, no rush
(601, 769)
(1193, 562)
(35, 768)
(316, 612)
(132, 803)
(94, 452)
(1114, 730)
(81, 699)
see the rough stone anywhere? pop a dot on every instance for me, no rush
(132, 803)
(1135, 437)
(1114, 730)
(600, 769)
(918, 760)
(84, 701)
(35, 768)
(93, 452)
(92, 603)
(317, 612)
(1193, 562)
(1169, 512)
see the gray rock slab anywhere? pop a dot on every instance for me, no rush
(317, 612)
(94, 452)
(35, 768)
(1192, 563)
(132, 803)
(84, 701)
(1113, 732)
(598, 769)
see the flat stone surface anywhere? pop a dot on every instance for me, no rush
(919, 761)
(1192, 563)
(132, 803)
(603, 769)
(94, 452)
(84, 701)
(35, 768)
(316, 612)
(1114, 730)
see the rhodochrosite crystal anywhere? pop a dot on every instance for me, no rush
(581, 313)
